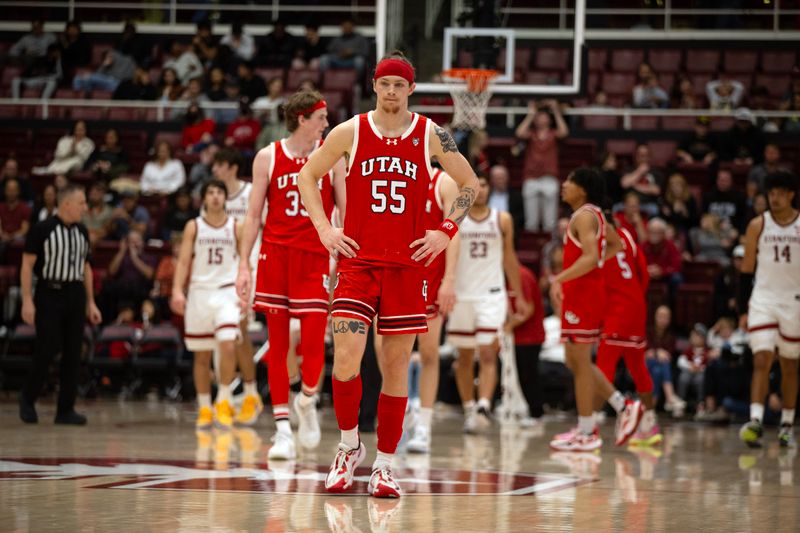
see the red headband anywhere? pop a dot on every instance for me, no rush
(395, 67)
(307, 111)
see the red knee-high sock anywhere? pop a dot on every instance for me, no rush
(607, 359)
(347, 401)
(277, 373)
(312, 331)
(634, 360)
(391, 410)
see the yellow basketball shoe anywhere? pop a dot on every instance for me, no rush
(205, 418)
(251, 408)
(224, 414)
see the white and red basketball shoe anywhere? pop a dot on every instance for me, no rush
(579, 442)
(567, 435)
(628, 420)
(340, 477)
(383, 485)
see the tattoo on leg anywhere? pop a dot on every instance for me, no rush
(463, 202)
(448, 144)
(350, 326)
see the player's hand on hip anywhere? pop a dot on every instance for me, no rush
(28, 312)
(178, 303)
(446, 297)
(430, 246)
(93, 314)
(556, 293)
(244, 281)
(336, 242)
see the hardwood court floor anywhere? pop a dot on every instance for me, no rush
(139, 466)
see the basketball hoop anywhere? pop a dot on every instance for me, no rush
(471, 89)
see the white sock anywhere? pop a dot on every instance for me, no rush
(425, 417)
(204, 400)
(617, 401)
(306, 400)
(469, 405)
(787, 417)
(350, 438)
(223, 393)
(598, 416)
(485, 403)
(382, 460)
(648, 421)
(250, 388)
(757, 412)
(283, 427)
(586, 424)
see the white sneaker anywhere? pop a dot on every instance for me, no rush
(282, 448)
(383, 485)
(308, 432)
(676, 405)
(342, 473)
(470, 422)
(421, 440)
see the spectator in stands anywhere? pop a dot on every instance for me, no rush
(726, 286)
(109, 160)
(600, 99)
(692, 363)
(205, 44)
(184, 61)
(163, 174)
(277, 48)
(349, 50)
(647, 93)
(710, 242)
(243, 132)
(114, 69)
(215, 85)
(232, 95)
(198, 130)
(165, 272)
(75, 49)
(663, 257)
(540, 186)
(33, 44)
(48, 205)
(10, 170)
(727, 383)
(792, 124)
(170, 86)
(194, 92)
(726, 202)
(631, 217)
(42, 72)
(505, 198)
(180, 212)
(72, 152)
(644, 180)
(771, 163)
(272, 130)
(240, 43)
(658, 357)
(700, 146)
(724, 93)
(310, 49)
(251, 85)
(201, 172)
(130, 275)
(761, 100)
(129, 215)
(98, 217)
(15, 215)
(140, 87)
(679, 207)
(609, 168)
(267, 105)
(132, 45)
(745, 143)
(683, 95)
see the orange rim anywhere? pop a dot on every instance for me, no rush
(477, 78)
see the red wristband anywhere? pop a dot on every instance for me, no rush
(448, 227)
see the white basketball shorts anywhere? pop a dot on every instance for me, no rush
(212, 316)
(477, 322)
(774, 325)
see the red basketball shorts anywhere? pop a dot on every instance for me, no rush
(291, 279)
(434, 275)
(394, 294)
(582, 312)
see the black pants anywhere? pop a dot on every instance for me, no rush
(60, 319)
(528, 372)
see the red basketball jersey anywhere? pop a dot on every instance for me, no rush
(572, 251)
(435, 214)
(288, 223)
(387, 191)
(626, 281)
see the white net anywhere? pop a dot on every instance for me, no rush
(471, 92)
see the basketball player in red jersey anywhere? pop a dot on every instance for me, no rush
(293, 265)
(382, 249)
(440, 298)
(580, 292)
(624, 334)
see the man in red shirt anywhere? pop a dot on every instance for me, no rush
(663, 257)
(242, 132)
(14, 215)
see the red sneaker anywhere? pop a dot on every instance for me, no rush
(383, 485)
(628, 420)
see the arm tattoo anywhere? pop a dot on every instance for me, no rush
(463, 202)
(448, 144)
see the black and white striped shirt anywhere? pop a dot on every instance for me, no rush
(61, 250)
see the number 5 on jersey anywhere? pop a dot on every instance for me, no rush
(396, 202)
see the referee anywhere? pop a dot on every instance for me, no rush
(57, 250)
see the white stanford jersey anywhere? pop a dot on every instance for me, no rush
(778, 261)
(236, 204)
(480, 258)
(216, 257)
